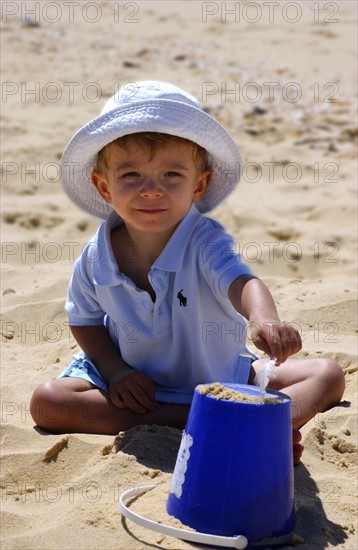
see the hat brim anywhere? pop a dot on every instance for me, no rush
(156, 115)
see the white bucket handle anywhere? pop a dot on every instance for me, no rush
(238, 541)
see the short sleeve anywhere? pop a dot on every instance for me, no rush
(221, 264)
(82, 306)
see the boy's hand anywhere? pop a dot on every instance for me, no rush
(134, 390)
(277, 339)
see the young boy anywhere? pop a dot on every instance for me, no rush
(158, 300)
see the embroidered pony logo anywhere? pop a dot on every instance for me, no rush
(182, 299)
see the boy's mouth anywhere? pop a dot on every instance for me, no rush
(151, 210)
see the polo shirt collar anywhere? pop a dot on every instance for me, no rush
(105, 268)
(106, 271)
(172, 257)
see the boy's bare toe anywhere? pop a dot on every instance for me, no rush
(298, 448)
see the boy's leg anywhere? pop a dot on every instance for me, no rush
(71, 404)
(314, 386)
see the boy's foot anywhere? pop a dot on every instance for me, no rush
(297, 447)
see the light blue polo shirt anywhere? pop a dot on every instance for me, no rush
(191, 334)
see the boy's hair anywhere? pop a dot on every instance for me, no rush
(152, 142)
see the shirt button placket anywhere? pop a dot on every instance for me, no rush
(161, 314)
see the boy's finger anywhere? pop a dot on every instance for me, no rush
(124, 400)
(261, 343)
(291, 342)
(143, 398)
(135, 397)
(132, 403)
(147, 387)
(275, 344)
(117, 401)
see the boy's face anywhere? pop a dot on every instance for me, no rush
(151, 194)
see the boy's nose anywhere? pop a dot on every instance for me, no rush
(151, 189)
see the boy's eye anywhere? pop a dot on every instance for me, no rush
(172, 174)
(130, 175)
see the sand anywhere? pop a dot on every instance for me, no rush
(283, 81)
(220, 392)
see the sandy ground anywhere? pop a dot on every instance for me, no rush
(282, 78)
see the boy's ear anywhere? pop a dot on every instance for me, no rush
(202, 184)
(101, 185)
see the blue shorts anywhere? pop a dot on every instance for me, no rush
(82, 367)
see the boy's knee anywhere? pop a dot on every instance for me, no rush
(334, 377)
(44, 404)
(43, 394)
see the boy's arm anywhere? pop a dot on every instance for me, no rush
(252, 299)
(127, 387)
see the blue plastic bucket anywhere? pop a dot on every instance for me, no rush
(234, 469)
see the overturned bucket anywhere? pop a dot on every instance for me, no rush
(234, 470)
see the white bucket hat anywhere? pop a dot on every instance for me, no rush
(149, 106)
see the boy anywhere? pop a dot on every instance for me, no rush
(158, 299)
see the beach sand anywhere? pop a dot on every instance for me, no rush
(283, 81)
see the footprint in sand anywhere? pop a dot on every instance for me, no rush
(53, 452)
(30, 220)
